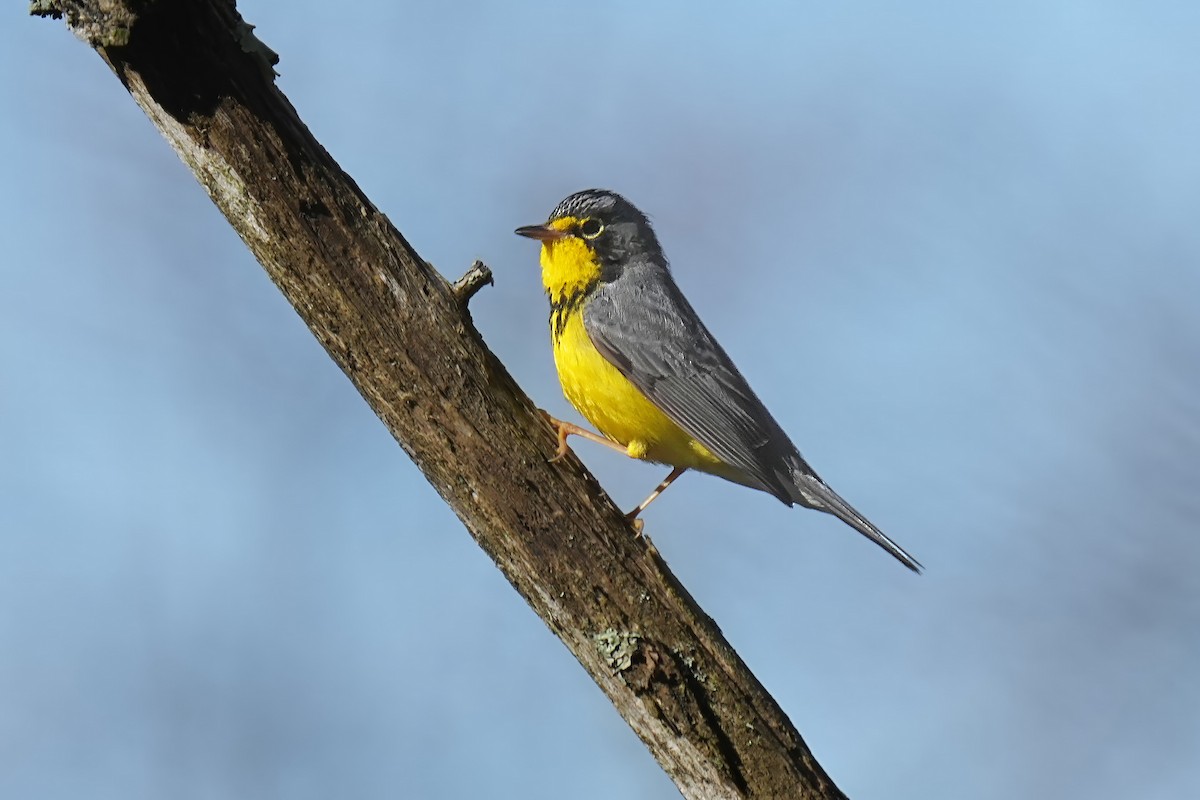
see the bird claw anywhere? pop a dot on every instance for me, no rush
(560, 430)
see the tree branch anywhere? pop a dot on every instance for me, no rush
(402, 335)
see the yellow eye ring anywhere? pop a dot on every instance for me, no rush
(590, 228)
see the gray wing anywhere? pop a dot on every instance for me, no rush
(642, 324)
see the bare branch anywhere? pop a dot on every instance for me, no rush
(402, 335)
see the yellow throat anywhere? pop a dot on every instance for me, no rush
(569, 267)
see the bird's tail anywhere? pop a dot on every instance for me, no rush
(811, 491)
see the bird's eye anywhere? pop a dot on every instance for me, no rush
(590, 228)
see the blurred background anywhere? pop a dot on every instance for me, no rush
(954, 248)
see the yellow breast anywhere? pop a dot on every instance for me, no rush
(615, 406)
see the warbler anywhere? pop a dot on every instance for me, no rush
(636, 361)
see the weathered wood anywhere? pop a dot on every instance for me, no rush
(402, 335)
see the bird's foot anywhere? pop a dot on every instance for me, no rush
(562, 431)
(565, 429)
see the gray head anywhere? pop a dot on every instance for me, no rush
(611, 226)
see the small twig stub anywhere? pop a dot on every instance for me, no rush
(475, 279)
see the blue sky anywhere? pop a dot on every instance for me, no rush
(953, 248)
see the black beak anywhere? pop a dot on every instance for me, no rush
(543, 233)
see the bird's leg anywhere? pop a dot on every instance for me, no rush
(632, 516)
(565, 429)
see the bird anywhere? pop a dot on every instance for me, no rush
(635, 360)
